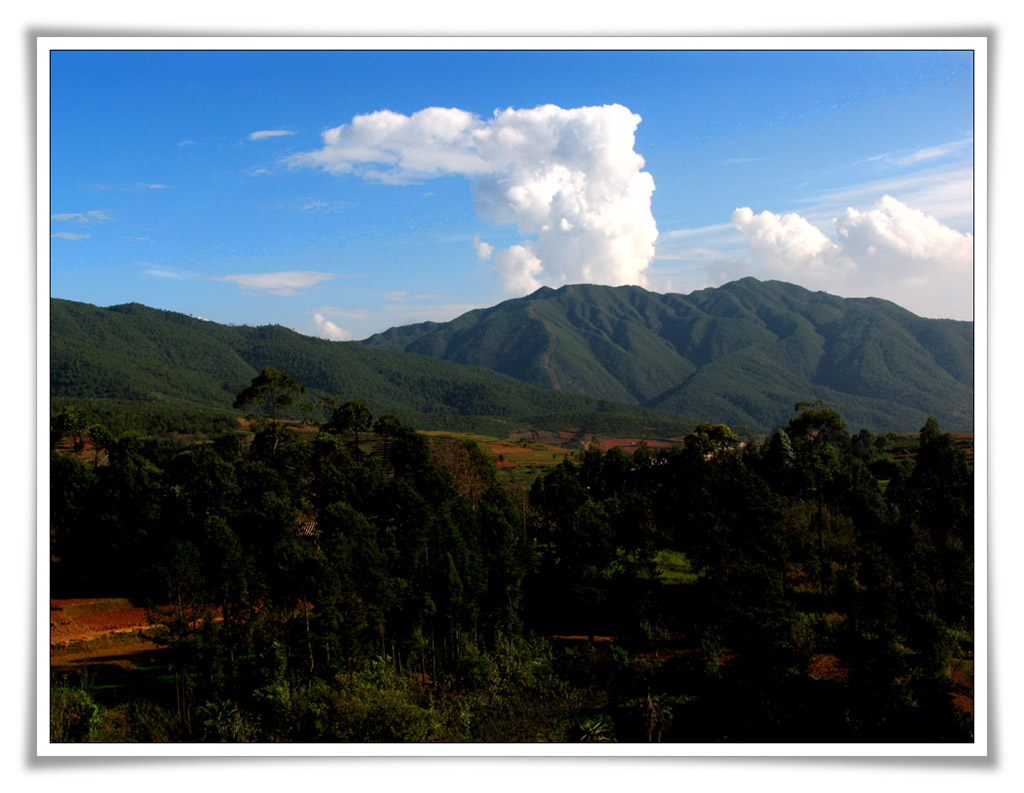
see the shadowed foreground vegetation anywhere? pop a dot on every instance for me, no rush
(360, 581)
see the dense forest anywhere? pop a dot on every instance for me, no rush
(353, 580)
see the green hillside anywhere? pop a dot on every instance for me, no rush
(742, 354)
(132, 354)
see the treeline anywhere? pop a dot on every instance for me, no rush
(359, 583)
(145, 418)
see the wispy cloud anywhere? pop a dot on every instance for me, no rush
(700, 244)
(697, 232)
(946, 192)
(269, 133)
(689, 254)
(934, 152)
(146, 186)
(186, 143)
(402, 296)
(159, 271)
(92, 216)
(906, 158)
(290, 282)
(67, 235)
(315, 205)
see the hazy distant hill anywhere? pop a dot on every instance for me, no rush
(135, 354)
(742, 353)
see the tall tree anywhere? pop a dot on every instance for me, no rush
(351, 416)
(271, 392)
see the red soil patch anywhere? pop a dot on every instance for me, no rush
(581, 638)
(97, 618)
(964, 702)
(828, 667)
(630, 444)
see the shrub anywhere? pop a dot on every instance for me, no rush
(73, 714)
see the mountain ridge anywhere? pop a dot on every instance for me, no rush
(741, 353)
(133, 354)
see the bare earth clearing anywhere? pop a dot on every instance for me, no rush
(98, 631)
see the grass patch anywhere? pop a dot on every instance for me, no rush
(674, 567)
(519, 461)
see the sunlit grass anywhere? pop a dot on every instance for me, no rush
(674, 567)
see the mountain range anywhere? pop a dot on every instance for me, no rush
(741, 354)
(132, 354)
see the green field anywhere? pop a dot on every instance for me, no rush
(518, 461)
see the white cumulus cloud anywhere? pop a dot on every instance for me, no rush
(328, 330)
(569, 180)
(891, 251)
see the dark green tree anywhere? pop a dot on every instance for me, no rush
(270, 393)
(70, 422)
(352, 416)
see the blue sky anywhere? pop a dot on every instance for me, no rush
(210, 182)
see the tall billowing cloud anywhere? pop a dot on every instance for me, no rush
(569, 180)
(892, 250)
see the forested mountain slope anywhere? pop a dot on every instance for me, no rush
(743, 353)
(133, 353)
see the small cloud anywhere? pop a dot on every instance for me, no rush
(158, 271)
(186, 143)
(67, 235)
(283, 283)
(328, 330)
(153, 186)
(325, 206)
(93, 215)
(269, 133)
(483, 249)
(740, 160)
